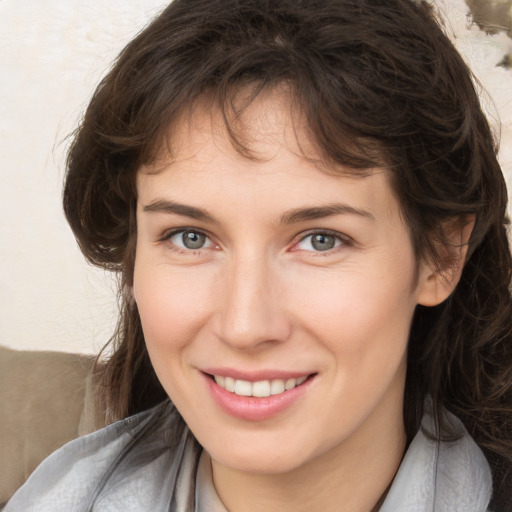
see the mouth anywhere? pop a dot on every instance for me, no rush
(257, 399)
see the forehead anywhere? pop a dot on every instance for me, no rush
(200, 158)
(253, 125)
(256, 124)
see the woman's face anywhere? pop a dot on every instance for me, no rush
(293, 288)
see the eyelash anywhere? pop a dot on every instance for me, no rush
(167, 236)
(340, 240)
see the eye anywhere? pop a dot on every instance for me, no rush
(320, 242)
(190, 239)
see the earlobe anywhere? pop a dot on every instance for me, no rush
(438, 279)
(436, 285)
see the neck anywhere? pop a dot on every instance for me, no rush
(354, 476)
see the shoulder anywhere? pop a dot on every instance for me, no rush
(99, 467)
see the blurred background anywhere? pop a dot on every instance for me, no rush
(53, 53)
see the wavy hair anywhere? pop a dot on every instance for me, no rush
(378, 83)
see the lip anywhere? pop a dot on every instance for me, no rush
(252, 408)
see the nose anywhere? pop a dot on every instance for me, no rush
(252, 312)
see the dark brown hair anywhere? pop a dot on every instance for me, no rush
(378, 83)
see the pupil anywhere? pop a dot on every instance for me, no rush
(193, 240)
(323, 242)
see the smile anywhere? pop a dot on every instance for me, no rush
(260, 389)
(257, 400)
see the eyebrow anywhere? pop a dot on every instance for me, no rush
(319, 212)
(164, 206)
(290, 217)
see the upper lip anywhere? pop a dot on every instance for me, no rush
(256, 375)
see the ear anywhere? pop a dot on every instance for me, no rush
(438, 279)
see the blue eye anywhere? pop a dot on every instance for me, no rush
(319, 242)
(190, 239)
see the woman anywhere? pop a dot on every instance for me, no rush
(303, 201)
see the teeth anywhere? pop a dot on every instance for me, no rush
(229, 384)
(243, 388)
(289, 384)
(262, 388)
(276, 387)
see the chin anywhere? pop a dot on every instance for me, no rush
(258, 463)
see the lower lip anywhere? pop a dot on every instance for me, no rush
(253, 408)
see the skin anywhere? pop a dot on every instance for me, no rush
(258, 296)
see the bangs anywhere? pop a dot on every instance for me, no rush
(323, 139)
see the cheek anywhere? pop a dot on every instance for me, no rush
(361, 313)
(173, 309)
(172, 305)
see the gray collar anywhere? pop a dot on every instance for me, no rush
(443, 476)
